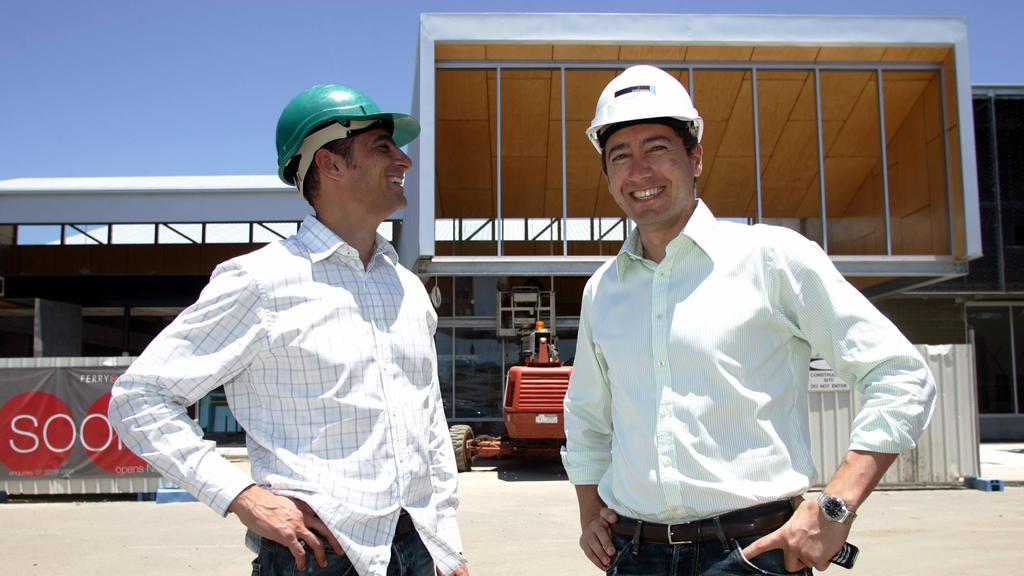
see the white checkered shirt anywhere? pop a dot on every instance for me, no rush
(331, 370)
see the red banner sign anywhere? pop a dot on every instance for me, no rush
(53, 424)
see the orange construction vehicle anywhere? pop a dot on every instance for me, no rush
(534, 390)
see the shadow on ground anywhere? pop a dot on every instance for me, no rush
(519, 470)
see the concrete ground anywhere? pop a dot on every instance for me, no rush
(517, 518)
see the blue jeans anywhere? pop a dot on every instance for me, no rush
(711, 558)
(409, 557)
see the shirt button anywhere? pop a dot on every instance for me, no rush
(661, 363)
(665, 460)
(659, 316)
(664, 412)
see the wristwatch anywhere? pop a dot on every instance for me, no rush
(834, 509)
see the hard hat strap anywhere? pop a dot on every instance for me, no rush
(316, 141)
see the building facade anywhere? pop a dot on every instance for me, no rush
(857, 132)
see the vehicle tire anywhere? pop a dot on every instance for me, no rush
(461, 434)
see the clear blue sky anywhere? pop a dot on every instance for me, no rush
(194, 87)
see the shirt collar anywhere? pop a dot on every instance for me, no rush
(699, 229)
(321, 242)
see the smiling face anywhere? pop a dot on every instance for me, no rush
(651, 177)
(376, 174)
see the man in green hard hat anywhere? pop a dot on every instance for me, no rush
(324, 345)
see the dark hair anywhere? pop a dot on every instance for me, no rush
(687, 132)
(311, 184)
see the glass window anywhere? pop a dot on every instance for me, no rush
(231, 233)
(994, 358)
(86, 234)
(443, 286)
(271, 231)
(143, 329)
(445, 360)
(476, 296)
(33, 235)
(179, 233)
(16, 336)
(1018, 351)
(479, 374)
(102, 335)
(132, 233)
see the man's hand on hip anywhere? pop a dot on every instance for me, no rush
(287, 521)
(596, 540)
(807, 540)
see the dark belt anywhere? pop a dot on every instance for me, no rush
(737, 524)
(404, 524)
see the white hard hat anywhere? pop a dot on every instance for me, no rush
(642, 92)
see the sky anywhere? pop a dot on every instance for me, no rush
(194, 87)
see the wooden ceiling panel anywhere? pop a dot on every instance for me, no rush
(713, 133)
(729, 191)
(738, 140)
(465, 203)
(721, 88)
(462, 95)
(582, 89)
(524, 114)
(459, 51)
(522, 186)
(810, 204)
(652, 53)
(829, 133)
(553, 177)
(605, 206)
(719, 53)
(901, 95)
(775, 101)
(463, 154)
(933, 110)
(851, 53)
(805, 107)
(583, 166)
(519, 51)
(785, 53)
(915, 53)
(840, 92)
(791, 170)
(843, 178)
(553, 203)
(581, 201)
(586, 52)
(859, 135)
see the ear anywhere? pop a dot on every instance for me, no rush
(697, 157)
(327, 165)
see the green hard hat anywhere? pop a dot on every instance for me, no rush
(325, 103)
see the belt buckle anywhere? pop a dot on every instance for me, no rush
(673, 541)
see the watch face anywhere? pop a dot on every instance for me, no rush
(833, 508)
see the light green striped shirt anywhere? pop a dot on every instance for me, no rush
(689, 389)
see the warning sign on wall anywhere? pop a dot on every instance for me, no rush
(823, 378)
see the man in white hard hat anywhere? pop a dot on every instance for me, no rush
(686, 417)
(324, 345)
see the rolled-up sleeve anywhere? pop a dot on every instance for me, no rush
(864, 347)
(206, 346)
(588, 422)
